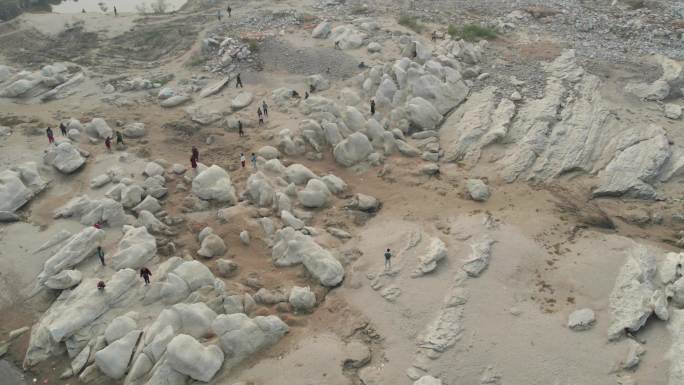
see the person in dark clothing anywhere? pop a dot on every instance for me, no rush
(295, 94)
(218, 14)
(312, 88)
(362, 65)
(193, 163)
(434, 35)
(195, 153)
(100, 254)
(101, 286)
(115, 12)
(241, 132)
(108, 143)
(337, 44)
(62, 127)
(238, 81)
(388, 259)
(229, 10)
(146, 274)
(82, 10)
(261, 116)
(372, 106)
(119, 138)
(306, 95)
(50, 135)
(264, 107)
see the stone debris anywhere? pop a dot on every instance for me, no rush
(582, 319)
(479, 258)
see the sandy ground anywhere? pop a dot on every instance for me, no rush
(543, 266)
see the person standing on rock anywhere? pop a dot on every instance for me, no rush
(261, 116)
(238, 81)
(50, 136)
(264, 107)
(241, 132)
(242, 159)
(119, 138)
(100, 254)
(254, 163)
(372, 107)
(145, 273)
(195, 153)
(229, 10)
(62, 128)
(108, 143)
(388, 260)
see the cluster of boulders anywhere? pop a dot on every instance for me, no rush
(53, 81)
(18, 185)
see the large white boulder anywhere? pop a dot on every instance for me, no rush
(242, 100)
(74, 312)
(90, 211)
(302, 298)
(195, 274)
(292, 247)
(186, 355)
(347, 37)
(214, 184)
(353, 150)
(64, 157)
(75, 250)
(134, 130)
(136, 249)
(212, 246)
(240, 336)
(18, 186)
(174, 101)
(427, 263)
(298, 174)
(422, 114)
(315, 194)
(322, 30)
(114, 359)
(98, 128)
(632, 293)
(319, 82)
(64, 280)
(119, 327)
(478, 260)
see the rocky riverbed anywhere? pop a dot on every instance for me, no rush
(520, 165)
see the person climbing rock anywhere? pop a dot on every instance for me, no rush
(50, 135)
(254, 161)
(100, 254)
(108, 143)
(241, 132)
(372, 106)
(119, 138)
(145, 273)
(238, 81)
(388, 260)
(264, 107)
(62, 127)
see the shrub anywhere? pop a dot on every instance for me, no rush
(472, 32)
(411, 22)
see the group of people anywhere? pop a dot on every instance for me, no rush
(229, 10)
(119, 140)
